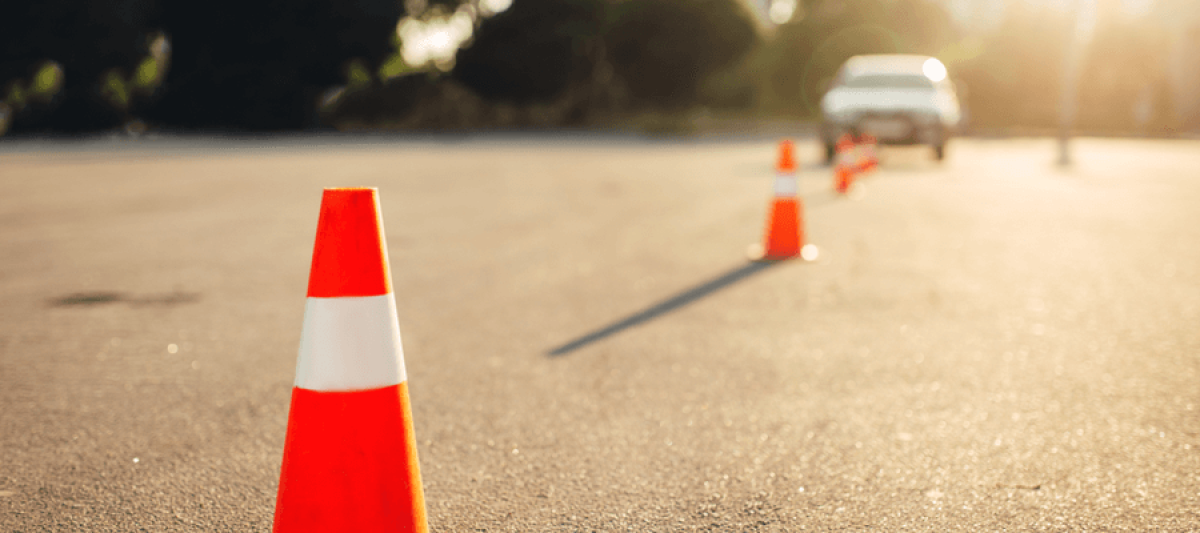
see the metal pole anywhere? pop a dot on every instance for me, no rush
(1072, 70)
(1067, 102)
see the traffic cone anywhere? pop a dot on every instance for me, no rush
(843, 172)
(350, 457)
(787, 158)
(869, 160)
(785, 231)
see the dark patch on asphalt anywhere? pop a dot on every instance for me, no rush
(89, 299)
(1019, 487)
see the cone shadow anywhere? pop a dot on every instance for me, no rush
(90, 299)
(680, 299)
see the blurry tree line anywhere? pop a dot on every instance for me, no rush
(97, 65)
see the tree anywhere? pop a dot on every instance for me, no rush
(86, 39)
(262, 64)
(664, 50)
(532, 52)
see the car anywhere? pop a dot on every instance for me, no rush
(897, 98)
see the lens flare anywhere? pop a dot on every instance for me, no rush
(781, 11)
(934, 70)
(435, 40)
(492, 7)
(809, 252)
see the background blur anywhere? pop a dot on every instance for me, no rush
(984, 342)
(71, 66)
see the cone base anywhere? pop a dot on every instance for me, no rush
(842, 180)
(808, 253)
(784, 236)
(350, 464)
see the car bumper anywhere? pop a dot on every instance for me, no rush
(892, 128)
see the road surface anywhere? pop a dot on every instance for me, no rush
(989, 344)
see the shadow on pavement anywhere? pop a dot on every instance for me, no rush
(87, 299)
(666, 306)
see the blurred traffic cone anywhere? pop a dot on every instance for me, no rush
(843, 172)
(350, 457)
(787, 159)
(785, 230)
(869, 160)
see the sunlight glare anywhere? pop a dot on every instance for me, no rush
(434, 41)
(492, 7)
(782, 11)
(1136, 8)
(809, 252)
(934, 70)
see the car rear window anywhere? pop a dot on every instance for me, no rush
(889, 81)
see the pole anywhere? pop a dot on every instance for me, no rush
(1067, 106)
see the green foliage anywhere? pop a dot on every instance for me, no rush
(16, 95)
(148, 75)
(730, 88)
(665, 50)
(393, 67)
(537, 51)
(46, 82)
(114, 89)
(357, 74)
(572, 61)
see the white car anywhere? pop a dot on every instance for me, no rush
(899, 99)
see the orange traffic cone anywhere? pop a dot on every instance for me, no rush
(350, 457)
(786, 164)
(869, 160)
(843, 172)
(785, 231)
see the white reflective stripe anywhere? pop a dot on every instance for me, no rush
(785, 185)
(350, 343)
(846, 157)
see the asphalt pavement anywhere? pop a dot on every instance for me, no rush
(988, 344)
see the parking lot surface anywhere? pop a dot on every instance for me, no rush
(988, 344)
